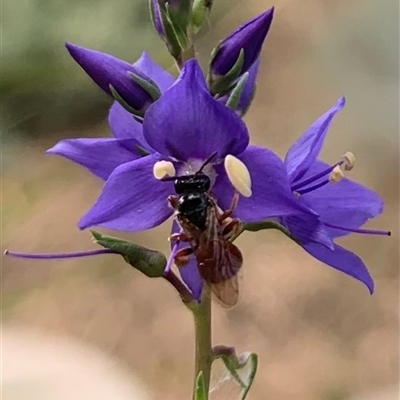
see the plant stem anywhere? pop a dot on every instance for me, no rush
(202, 326)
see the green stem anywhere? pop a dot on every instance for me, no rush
(202, 326)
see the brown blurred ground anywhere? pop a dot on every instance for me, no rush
(319, 334)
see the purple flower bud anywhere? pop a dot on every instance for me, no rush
(249, 37)
(117, 78)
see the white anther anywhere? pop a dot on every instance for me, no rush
(162, 168)
(238, 174)
(336, 175)
(349, 160)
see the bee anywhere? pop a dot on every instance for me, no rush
(207, 230)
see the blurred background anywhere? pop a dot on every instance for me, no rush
(319, 334)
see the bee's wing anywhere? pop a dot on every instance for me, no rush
(225, 275)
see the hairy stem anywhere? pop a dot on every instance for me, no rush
(202, 326)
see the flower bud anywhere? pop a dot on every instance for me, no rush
(200, 12)
(238, 52)
(119, 79)
(150, 262)
(170, 20)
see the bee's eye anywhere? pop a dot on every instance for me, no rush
(180, 186)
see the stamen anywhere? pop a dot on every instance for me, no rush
(361, 231)
(316, 176)
(162, 168)
(55, 256)
(349, 160)
(311, 188)
(238, 174)
(336, 175)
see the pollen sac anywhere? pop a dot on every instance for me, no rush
(238, 174)
(162, 168)
(349, 160)
(336, 175)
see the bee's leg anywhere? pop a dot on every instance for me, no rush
(231, 209)
(173, 200)
(181, 236)
(232, 228)
(182, 256)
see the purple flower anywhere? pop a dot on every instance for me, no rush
(343, 206)
(185, 126)
(248, 38)
(127, 83)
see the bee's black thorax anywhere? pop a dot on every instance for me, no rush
(193, 198)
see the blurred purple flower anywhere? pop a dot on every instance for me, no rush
(248, 37)
(343, 206)
(106, 70)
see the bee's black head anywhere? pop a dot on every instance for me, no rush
(192, 183)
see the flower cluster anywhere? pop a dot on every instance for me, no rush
(163, 125)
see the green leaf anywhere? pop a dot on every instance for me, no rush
(200, 389)
(150, 262)
(242, 368)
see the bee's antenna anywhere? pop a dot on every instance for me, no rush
(209, 159)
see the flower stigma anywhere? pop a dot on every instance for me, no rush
(162, 168)
(238, 174)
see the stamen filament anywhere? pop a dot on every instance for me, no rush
(316, 176)
(55, 256)
(361, 231)
(311, 188)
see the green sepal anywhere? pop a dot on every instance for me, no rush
(123, 103)
(200, 11)
(200, 390)
(150, 87)
(243, 112)
(223, 84)
(150, 262)
(242, 368)
(236, 93)
(171, 39)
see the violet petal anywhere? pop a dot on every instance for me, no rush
(306, 148)
(345, 203)
(187, 122)
(162, 78)
(132, 199)
(271, 193)
(99, 156)
(124, 126)
(190, 272)
(344, 261)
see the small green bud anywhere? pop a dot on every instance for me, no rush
(150, 262)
